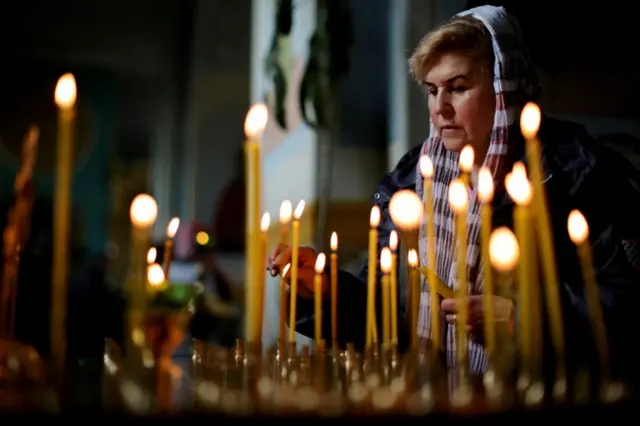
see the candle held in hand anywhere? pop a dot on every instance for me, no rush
(317, 287)
(282, 320)
(333, 242)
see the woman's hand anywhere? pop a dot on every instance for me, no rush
(281, 255)
(502, 312)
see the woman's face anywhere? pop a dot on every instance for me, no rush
(462, 103)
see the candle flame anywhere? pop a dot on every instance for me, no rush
(519, 168)
(334, 241)
(485, 185)
(265, 222)
(385, 260)
(504, 250)
(530, 120)
(374, 217)
(406, 210)
(155, 275)
(412, 258)
(578, 227)
(393, 240)
(143, 211)
(152, 254)
(426, 166)
(285, 212)
(173, 226)
(467, 156)
(458, 197)
(321, 261)
(297, 214)
(285, 270)
(519, 188)
(65, 94)
(256, 121)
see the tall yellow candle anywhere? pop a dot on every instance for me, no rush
(317, 290)
(529, 124)
(265, 222)
(295, 243)
(282, 320)
(426, 169)
(414, 289)
(504, 254)
(334, 289)
(465, 162)
(65, 98)
(385, 267)
(172, 229)
(520, 191)
(579, 234)
(254, 126)
(485, 196)
(393, 286)
(459, 201)
(371, 332)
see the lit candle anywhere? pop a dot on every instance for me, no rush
(414, 289)
(485, 196)
(295, 242)
(385, 267)
(317, 288)
(393, 286)
(529, 124)
(152, 254)
(466, 159)
(459, 200)
(65, 98)
(371, 331)
(265, 222)
(426, 169)
(155, 277)
(579, 234)
(254, 126)
(283, 304)
(520, 191)
(504, 253)
(334, 289)
(172, 229)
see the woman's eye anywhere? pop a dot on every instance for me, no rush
(458, 89)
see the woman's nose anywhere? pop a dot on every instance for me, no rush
(442, 105)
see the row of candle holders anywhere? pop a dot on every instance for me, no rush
(288, 379)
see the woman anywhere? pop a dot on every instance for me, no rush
(478, 77)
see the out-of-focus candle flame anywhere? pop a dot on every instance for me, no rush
(426, 166)
(519, 188)
(321, 261)
(578, 227)
(66, 93)
(334, 241)
(385, 260)
(285, 270)
(173, 226)
(530, 120)
(143, 211)
(151, 255)
(467, 156)
(155, 275)
(393, 241)
(374, 217)
(485, 185)
(265, 222)
(256, 121)
(286, 210)
(519, 169)
(297, 214)
(412, 258)
(406, 210)
(458, 197)
(504, 250)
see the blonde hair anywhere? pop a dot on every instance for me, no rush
(462, 34)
